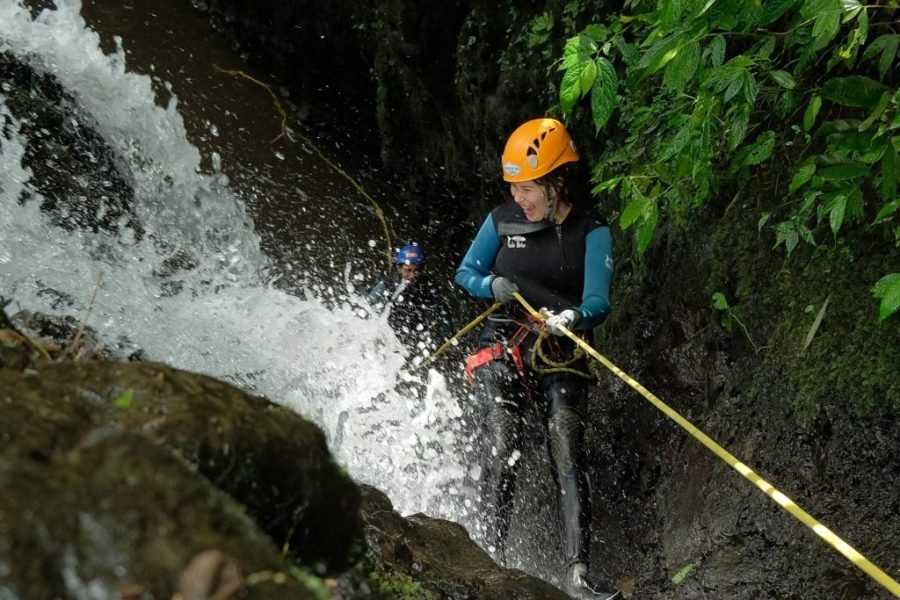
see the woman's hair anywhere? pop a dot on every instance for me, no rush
(558, 179)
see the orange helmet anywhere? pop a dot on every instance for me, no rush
(535, 148)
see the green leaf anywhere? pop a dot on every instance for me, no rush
(634, 210)
(596, 32)
(816, 324)
(683, 67)
(125, 400)
(889, 172)
(660, 53)
(706, 137)
(848, 51)
(773, 10)
(682, 573)
(843, 171)
(707, 4)
(812, 111)
(646, 229)
(578, 49)
(854, 206)
(784, 79)
(885, 46)
(836, 214)
(763, 220)
(720, 78)
(570, 88)
(761, 149)
(715, 51)
(855, 90)
(851, 8)
(888, 290)
(603, 93)
(738, 128)
(678, 143)
(803, 174)
(886, 211)
(719, 303)
(879, 44)
(887, 58)
(809, 199)
(750, 87)
(669, 12)
(806, 235)
(629, 52)
(883, 103)
(588, 75)
(786, 233)
(827, 25)
(606, 186)
(733, 88)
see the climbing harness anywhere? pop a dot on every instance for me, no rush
(499, 350)
(786, 503)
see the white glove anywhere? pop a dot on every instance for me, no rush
(567, 318)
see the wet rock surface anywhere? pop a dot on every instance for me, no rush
(137, 480)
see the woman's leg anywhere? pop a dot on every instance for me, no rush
(566, 396)
(499, 391)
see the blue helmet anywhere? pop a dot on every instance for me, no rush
(410, 254)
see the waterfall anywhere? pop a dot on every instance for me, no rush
(185, 278)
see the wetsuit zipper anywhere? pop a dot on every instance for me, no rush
(559, 245)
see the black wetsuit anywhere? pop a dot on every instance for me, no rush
(556, 266)
(418, 315)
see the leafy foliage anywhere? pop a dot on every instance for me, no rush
(707, 92)
(888, 289)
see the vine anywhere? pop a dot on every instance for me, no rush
(714, 89)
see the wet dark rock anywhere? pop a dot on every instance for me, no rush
(118, 512)
(72, 168)
(136, 480)
(820, 425)
(269, 459)
(440, 556)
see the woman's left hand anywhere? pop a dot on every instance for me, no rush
(567, 318)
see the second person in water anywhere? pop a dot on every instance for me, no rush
(552, 251)
(416, 312)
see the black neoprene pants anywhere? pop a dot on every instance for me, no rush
(560, 400)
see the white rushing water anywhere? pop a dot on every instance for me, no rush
(335, 364)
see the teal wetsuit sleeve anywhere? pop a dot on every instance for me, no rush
(377, 294)
(598, 266)
(474, 273)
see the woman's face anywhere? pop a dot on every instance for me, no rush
(532, 198)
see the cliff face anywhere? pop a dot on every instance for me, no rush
(813, 408)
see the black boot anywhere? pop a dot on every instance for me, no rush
(581, 587)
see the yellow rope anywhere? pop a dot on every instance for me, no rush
(786, 503)
(284, 130)
(458, 335)
(278, 107)
(537, 351)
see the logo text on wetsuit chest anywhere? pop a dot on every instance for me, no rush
(515, 241)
